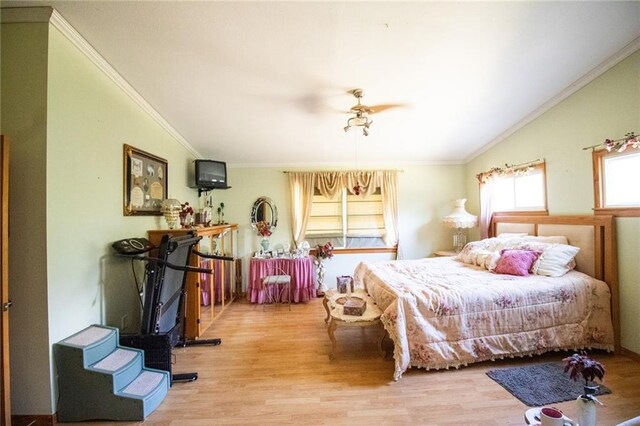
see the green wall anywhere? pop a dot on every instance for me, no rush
(608, 107)
(89, 120)
(24, 121)
(67, 122)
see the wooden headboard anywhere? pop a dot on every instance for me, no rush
(596, 237)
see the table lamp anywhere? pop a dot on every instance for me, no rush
(460, 219)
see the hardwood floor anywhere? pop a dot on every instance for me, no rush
(273, 368)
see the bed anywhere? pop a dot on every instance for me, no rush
(442, 313)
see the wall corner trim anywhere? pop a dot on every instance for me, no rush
(83, 45)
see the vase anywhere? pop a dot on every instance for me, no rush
(320, 278)
(170, 209)
(264, 243)
(586, 404)
(171, 218)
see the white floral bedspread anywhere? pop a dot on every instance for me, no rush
(441, 313)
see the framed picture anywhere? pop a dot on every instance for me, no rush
(145, 182)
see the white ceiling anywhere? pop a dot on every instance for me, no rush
(264, 83)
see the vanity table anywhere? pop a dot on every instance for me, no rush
(264, 219)
(300, 269)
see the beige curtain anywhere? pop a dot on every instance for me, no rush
(329, 184)
(368, 181)
(301, 188)
(486, 204)
(389, 191)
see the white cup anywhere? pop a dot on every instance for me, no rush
(550, 416)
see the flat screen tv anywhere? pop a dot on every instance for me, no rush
(211, 174)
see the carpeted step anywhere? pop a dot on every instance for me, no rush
(94, 342)
(99, 380)
(123, 365)
(150, 385)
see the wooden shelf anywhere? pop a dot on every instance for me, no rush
(220, 286)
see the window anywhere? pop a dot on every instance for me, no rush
(325, 207)
(616, 175)
(348, 221)
(521, 192)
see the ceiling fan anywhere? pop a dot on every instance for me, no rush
(362, 112)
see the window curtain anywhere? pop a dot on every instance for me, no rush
(366, 181)
(301, 188)
(389, 191)
(330, 184)
(487, 189)
(487, 186)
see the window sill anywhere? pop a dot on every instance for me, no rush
(363, 250)
(618, 211)
(523, 213)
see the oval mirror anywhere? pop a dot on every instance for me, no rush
(264, 210)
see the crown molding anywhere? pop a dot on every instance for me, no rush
(76, 39)
(342, 165)
(44, 14)
(605, 66)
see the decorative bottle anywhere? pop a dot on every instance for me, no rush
(586, 407)
(264, 243)
(207, 213)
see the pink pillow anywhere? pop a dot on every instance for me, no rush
(516, 262)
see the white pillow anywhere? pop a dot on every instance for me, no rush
(555, 260)
(553, 239)
(513, 235)
(487, 259)
(484, 253)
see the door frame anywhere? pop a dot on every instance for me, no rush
(5, 394)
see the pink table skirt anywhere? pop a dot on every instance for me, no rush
(209, 282)
(302, 278)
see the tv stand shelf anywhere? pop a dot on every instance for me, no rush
(208, 295)
(205, 190)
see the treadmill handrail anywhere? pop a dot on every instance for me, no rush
(168, 264)
(212, 256)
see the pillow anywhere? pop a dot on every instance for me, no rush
(555, 260)
(487, 259)
(516, 262)
(513, 234)
(484, 253)
(555, 239)
(470, 250)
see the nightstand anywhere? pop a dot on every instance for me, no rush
(444, 253)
